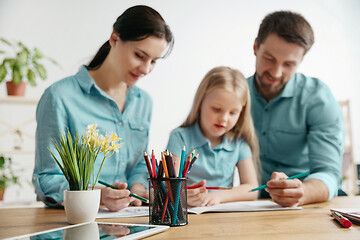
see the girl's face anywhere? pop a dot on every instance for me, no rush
(219, 112)
(132, 60)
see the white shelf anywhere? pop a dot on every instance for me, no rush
(17, 152)
(18, 105)
(18, 100)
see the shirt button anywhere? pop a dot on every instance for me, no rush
(120, 123)
(122, 163)
(141, 128)
(266, 109)
(264, 133)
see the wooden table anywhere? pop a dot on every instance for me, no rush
(313, 222)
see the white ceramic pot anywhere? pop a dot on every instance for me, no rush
(81, 206)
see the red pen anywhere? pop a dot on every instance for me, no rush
(342, 220)
(209, 188)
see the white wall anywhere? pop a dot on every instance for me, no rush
(207, 33)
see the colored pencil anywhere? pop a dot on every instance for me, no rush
(153, 165)
(193, 161)
(182, 162)
(164, 165)
(167, 175)
(179, 186)
(186, 168)
(292, 177)
(131, 194)
(146, 157)
(209, 188)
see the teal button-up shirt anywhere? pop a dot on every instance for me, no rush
(215, 165)
(300, 130)
(73, 103)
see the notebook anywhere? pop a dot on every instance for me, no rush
(242, 206)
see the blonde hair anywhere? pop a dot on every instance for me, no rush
(234, 81)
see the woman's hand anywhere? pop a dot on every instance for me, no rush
(115, 199)
(140, 190)
(196, 197)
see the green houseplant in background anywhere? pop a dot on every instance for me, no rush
(7, 174)
(77, 159)
(21, 64)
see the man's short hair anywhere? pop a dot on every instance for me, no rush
(290, 26)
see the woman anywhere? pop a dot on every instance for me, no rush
(104, 93)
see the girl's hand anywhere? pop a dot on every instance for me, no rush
(212, 198)
(115, 199)
(196, 197)
(140, 190)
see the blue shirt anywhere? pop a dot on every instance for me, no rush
(215, 165)
(73, 103)
(300, 130)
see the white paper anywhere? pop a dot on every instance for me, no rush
(242, 206)
(126, 212)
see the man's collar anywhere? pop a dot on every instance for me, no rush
(288, 90)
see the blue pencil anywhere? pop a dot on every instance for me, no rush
(292, 177)
(182, 161)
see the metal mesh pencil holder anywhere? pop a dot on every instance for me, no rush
(168, 201)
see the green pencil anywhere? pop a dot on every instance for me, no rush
(131, 194)
(292, 177)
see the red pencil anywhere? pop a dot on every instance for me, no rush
(186, 168)
(153, 163)
(210, 188)
(148, 164)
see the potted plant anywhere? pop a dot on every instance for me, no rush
(7, 174)
(21, 64)
(77, 159)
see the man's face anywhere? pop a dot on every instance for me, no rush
(276, 62)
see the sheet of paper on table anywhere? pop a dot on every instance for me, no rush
(126, 212)
(242, 206)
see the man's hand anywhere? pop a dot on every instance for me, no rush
(293, 192)
(287, 193)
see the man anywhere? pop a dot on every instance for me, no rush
(297, 119)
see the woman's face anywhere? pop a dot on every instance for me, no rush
(132, 60)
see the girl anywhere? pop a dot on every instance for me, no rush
(220, 128)
(104, 93)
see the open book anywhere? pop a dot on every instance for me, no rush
(242, 206)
